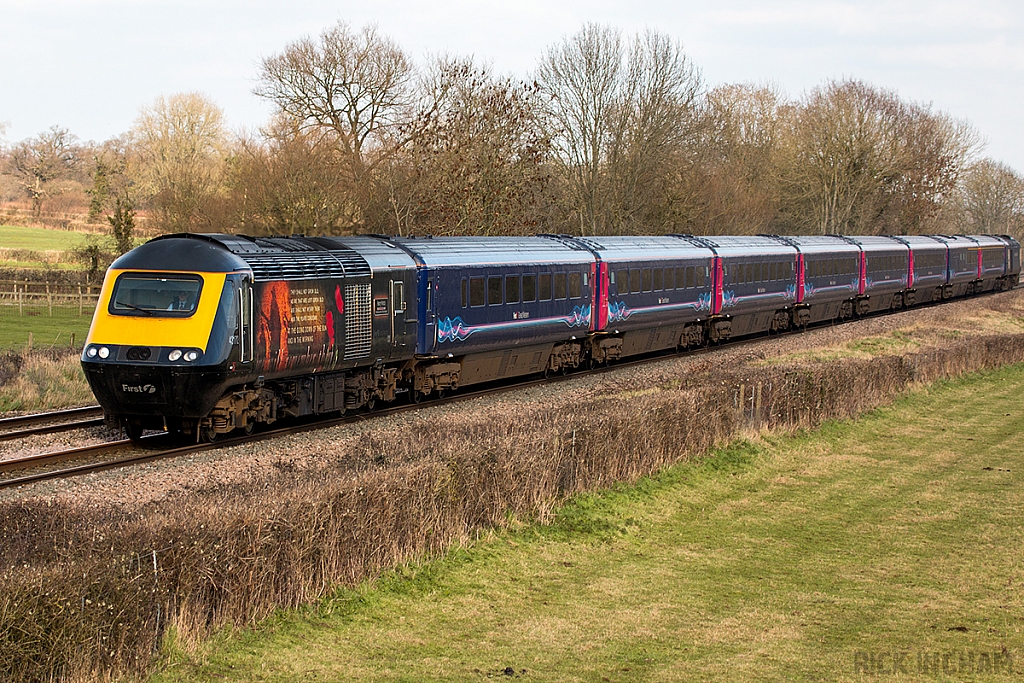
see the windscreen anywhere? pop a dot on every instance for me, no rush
(156, 295)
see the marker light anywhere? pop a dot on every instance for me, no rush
(174, 355)
(191, 356)
(91, 352)
(104, 352)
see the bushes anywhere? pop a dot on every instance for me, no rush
(42, 379)
(93, 591)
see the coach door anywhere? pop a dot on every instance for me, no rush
(245, 320)
(397, 312)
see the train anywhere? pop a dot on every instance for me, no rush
(205, 334)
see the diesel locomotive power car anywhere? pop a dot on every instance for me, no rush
(204, 334)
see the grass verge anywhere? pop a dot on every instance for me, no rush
(40, 239)
(44, 379)
(885, 544)
(46, 331)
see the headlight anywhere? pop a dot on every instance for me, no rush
(104, 352)
(91, 352)
(191, 356)
(174, 355)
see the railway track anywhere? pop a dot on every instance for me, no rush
(50, 423)
(158, 447)
(116, 454)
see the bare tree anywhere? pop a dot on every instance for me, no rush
(354, 86)
(736, 175)
(844, 158)
(656, 126)
(181, 143)
(623, 117)
(934, 150)
(582, 78)
(290, 181)
(991, 199)
(477, 163)
(39, 164)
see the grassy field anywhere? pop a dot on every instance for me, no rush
(890, 544)
(39, 239)
(46, 331)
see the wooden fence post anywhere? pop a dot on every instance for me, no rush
(49, 299)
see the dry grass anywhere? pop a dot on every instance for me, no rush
(44, 379)
(94, 591)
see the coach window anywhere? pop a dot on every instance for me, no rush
(575, 285)
(670, 278)
(494, 291)
(512, 289)
(559, 284)
(545, 286)
(659, 279)
(634, 281)
(689, 277)
(529, 288)
(646, 279)
(622, 280)
(465, 292)
(681, 277)
(477, 291)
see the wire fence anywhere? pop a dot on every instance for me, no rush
(50, 299)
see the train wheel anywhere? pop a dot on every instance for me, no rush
(207, 434)
(133, 430)
(415, 396)
(249, 428)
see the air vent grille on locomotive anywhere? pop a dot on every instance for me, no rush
(358, 321)
(306, 265)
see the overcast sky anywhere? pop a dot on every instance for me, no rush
(89, 65)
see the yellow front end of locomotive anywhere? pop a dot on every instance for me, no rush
(156, 308)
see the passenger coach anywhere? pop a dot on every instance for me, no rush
(205, 334)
